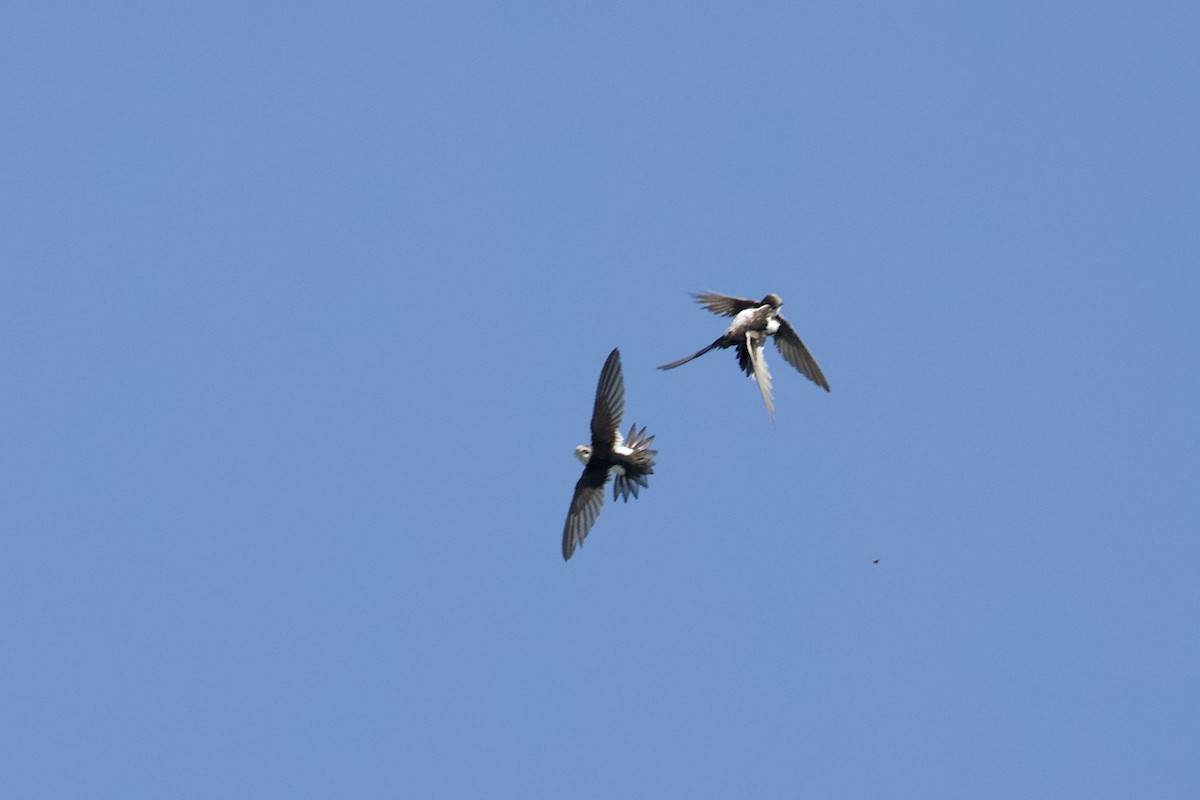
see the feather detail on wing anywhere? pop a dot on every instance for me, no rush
(795, 353)
(585, 508)
(725, 305)
(743, 358)
(686, 359)
(610, 403)
(762, 375)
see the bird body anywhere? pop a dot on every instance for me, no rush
(626, 460)
(755, 321)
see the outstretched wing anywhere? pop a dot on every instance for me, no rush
(725, 305)
(610, 404)
(585, 507)
(686, 359)
(762, 375)
(795, 353)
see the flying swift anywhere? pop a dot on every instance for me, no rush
(627, 460)
(755, 321)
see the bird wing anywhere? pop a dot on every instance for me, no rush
(725, 305)
(743, 357)
(758, 361)
(686, 359)
(610, 404)
(585, 507)
(795, 353)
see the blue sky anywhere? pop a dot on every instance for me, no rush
(303, 308)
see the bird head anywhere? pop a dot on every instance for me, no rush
(584, 453)
(773, 300)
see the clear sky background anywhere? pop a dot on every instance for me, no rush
(303, 308)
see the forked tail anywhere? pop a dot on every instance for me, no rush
(637, 465)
